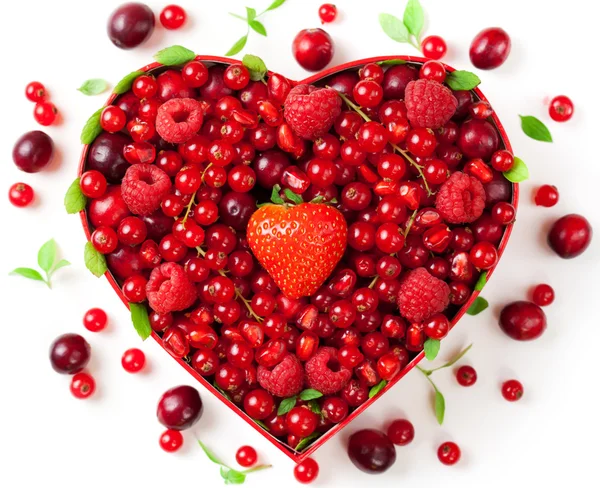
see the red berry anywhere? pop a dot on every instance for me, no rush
(236, 77)
(45, 113)
(561, 108)
(95, 320)
(313, 49)
(246, 456)
(306, 471)
(20, 194)
(35, 91)
(512, 390)
(466, 376)
(546, 196)
(570, 236)
(259, 404)
(171, 440)
(421, 142)
(194, 74)
(172, 17)
(433, 47)
(371, 71)
(368, 93)
(82, 385)
(401, 432)
(134, 288)
(543, 295)
(484, 255)
(433, 70)
(144, 86)
(436, 326)
(133, 360)
(93, 184)
(104, 239)
(113, 119)
(503, 213)
(301, 421)
(490, 48)
(327, 13)
(502, 160)
(523, 321)
(449, 453)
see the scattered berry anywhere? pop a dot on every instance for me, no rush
(490, 48)
(82, 385)
(45, 113)
(466, 376)
(35, 91)
(313, 49)
(523, 321)
(171, 440)
(434, 47)
(512, 390)
(371, 451)
(546, 196)
(327, 13)
(95, 320)
(543, 295)
(130, 25)
(570, 236)
(311, 111)
(246, 456)
(561, 108)
(461, 199)
(179, 408)
(448, 453)
(172, 17)
(33, 151)
(401, 432)
(429, 104)
(306, 471)
(69, 354)
(133, 360)
(20, 194)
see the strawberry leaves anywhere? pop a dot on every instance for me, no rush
(256, 66)
(375, 390)
(92, 128)
(126, 82)
(431, 348)
(47, 261)
(414, 18)
(230, 476)
(409, 29)
(478, 306)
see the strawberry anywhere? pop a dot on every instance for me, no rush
(299, 245)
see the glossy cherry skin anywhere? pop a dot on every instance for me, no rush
(401, 432)
(33, 151)
(523, 321)
(179, 408)
(570, 236)
(371, 451)
(313, 49)
(106, 155)
(130, 25)
(306, 471)
(69, 353)
(490, 48)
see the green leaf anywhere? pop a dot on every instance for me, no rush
(262, 424)
(141, 322)
(94, 261)
(61, 264)
(462, 80)
(238, 46)
(519, 172)
(75, 201)
(174, 55)
(535, 128)
(294, 197)
(257, 468)
(32, 274)
(124, 85)
(286, 405)
(92, 128)
(414, 18)
(481, 281)
(439, 406)
(391, 62)
(47, 255)
(393, 27)
(275, 4)
(275, 198)
(431, 348)
(250, 14)
(226, 395)
(457, 358)
(310, 394)
(209, 454)
(256, 66)
(314, 407)
(377, 388)
(231, 476)
(258, 27)
(478, 306)
(304, 443)
(93, 86)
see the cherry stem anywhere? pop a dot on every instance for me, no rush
(397, 148)
(191, 203)
(410, 223)
(452, 362)
(372, 284)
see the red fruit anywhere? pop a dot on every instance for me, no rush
(82, 385)
(523, 321)
(570, 236)
(334, 409)
(311, 111)
(325, 373)
(502, 160)
(490, 48)
(466, 376)
(169, 289)
(401, 432)
(246, 456)
(95, 319)
(512, 390)
(104, 239)
(546, 196)
(433, 47)
(143, 187)
(20, 194)
(284, 380)
(478, 139)
(69, 354)
(301, 421)
(259, 404)
(45, 113)
(327, 13)
(296, 271)
(429, 104)
(35, 91)
(306, 471)
(133, 360)
(179, 408)
(313, 49)
(461, 199)
(432, 70)
(543, 295)
(33, 151)
(113, 119)
(179, 119)
(371, 451)
(484, 255)
(171, 440)
(448, 453)
(172, 17)
(421, 295)
(561, 108)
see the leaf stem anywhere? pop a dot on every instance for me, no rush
(372, 284)
(410, 222)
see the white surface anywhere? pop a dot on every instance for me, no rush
(51, 439)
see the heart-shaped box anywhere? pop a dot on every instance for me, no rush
(313, 79)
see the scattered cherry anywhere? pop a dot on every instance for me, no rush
(561, 108)
(171, 440)
(172, 17)
(20, 194)
(82, 385)
(512, 390)
(306, 471)
(313, 49)
(490, 48)
(449, 453)
(543, 295)
(246, 456)
(130, 25)
(371, 451)
(133, 360)
(69, 353)
(570, 236)
(466, 375)
(401, 432)
(33, 151)
(95, 320)
(546, 196)
(523, 321)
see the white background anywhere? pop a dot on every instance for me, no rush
(48, 438)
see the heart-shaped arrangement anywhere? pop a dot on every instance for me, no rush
(402, 231)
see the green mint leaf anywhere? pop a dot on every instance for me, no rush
(256, 66)
(294, 197)
(61, 264)
(374, 391)
(92, 128)
(94, 261)
(226, 395)
(481, 281)
(126, 82)
(174, 55)
(304, 443)
(457, 358)
(439, 405)
(314, 407)
(258, 27)
(140, 320)
(391, 62)
(262, 424)
(462, 80)
(238, 46)
(414, 18)
(286, 405)
(47, 255)
(231, 476)
(519, 172)
(75, 200)
(431, 348)
(310, 394)
(250, 14)
(393, 27)
(319, 199)
(535, 128)
(275, 198)
(32, 274)
(94, 86)
(209, 454)
(478, 306)
(275, 4)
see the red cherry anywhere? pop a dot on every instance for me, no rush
(561, 108)
(82, 385)
(133, 360)
(171, 440)
(434, 47)
(95, 320)
(449, 453)
(246, 456)
(327, 13)
(512, 390)
(401, 432)
(306, 471)
(466, 376)
(172, 17)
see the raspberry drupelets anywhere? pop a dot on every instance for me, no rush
(399, 184)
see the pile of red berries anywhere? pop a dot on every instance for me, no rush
(187, 154)
(45, 112)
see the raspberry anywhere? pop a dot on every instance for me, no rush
(429, 104)
(169, 289)
(143, 187)
(324, 373)
(284, 380)
(461, 199)
(311, 111)
(179, 119)
(421, 295)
